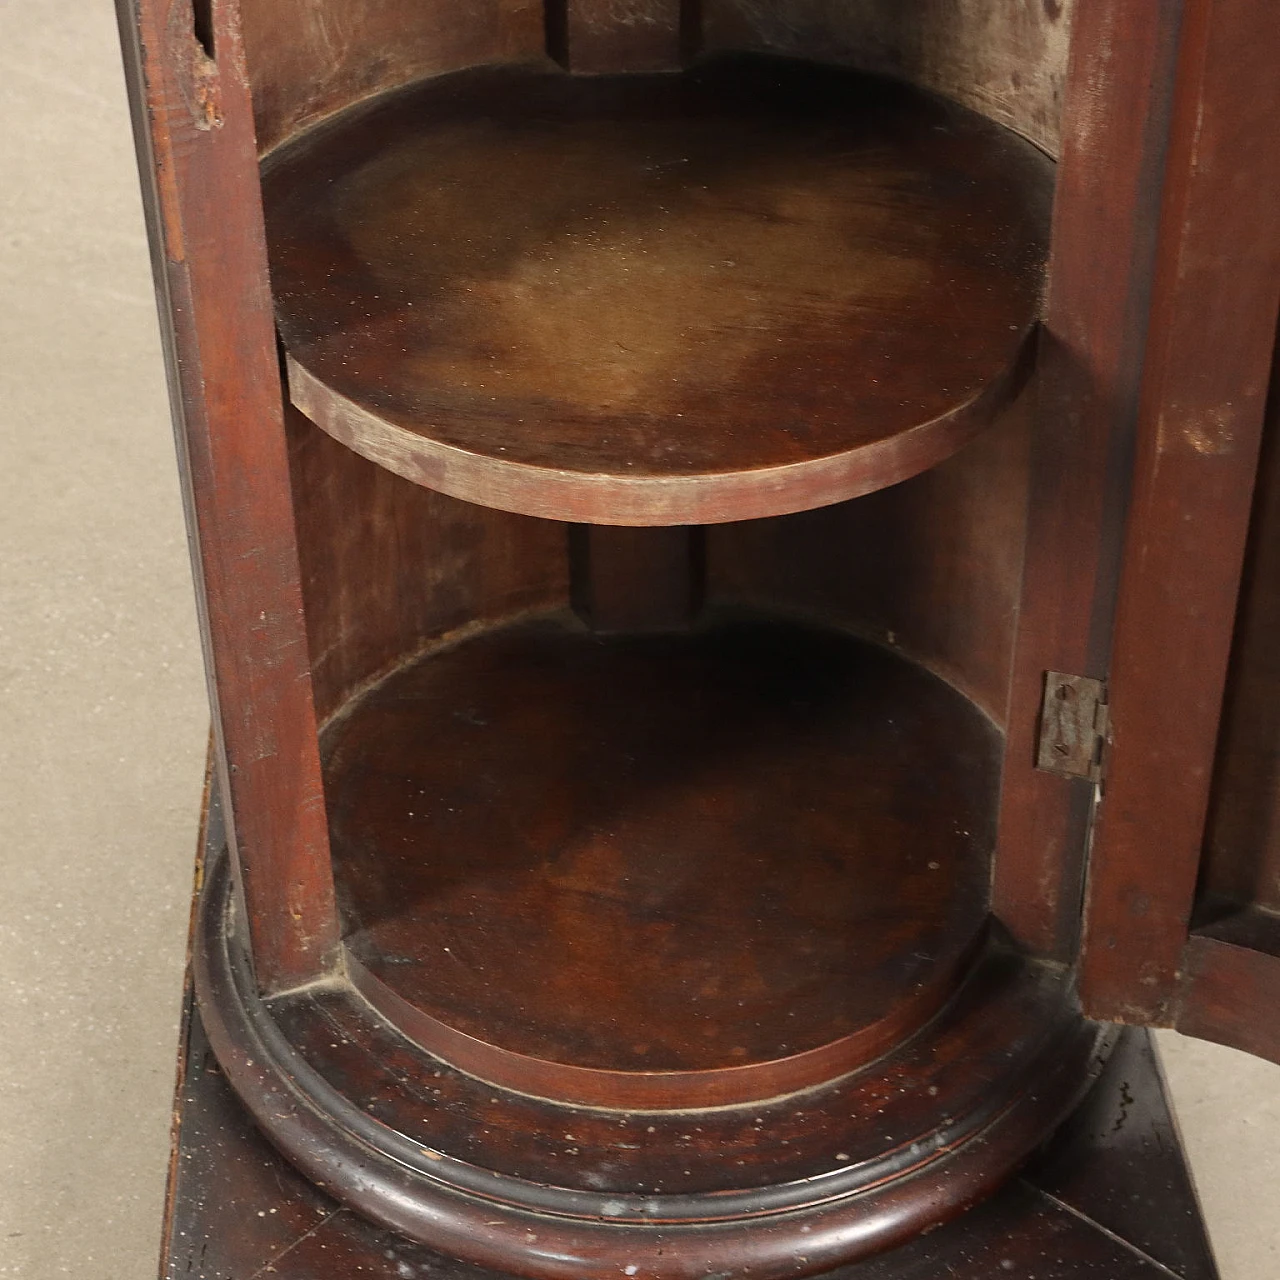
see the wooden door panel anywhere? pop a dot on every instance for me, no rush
(1199, 425)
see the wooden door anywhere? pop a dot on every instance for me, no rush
(1181, 925)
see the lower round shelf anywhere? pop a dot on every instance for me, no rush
(664, 871)
(790, 1187)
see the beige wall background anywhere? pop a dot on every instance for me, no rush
(102, 713)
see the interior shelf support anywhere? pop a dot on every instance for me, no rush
(636, 579)
(591, 38)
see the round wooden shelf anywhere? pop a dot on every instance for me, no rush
(754, 287)
(663, 871)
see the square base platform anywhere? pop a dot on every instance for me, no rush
(1109, 1198)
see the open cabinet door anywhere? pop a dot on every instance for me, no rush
(1183, 887)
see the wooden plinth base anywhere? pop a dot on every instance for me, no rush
(789, 1187)
(1108, 1199)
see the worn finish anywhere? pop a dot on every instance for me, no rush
(388, 567)
(310, 58)
(1088, 376)
(1213, 329)
(1118, 1162)
(691, 299)
(676, 1165)
(235, 1208)
(547, 1231)
(657, 869)
(1008, 61)
(704, 858)
(1073, 726)
(931, 567)
(195, 145)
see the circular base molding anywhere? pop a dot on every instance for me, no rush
(789, 1187)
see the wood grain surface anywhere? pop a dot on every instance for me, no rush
(750, 856)
(755, 288)
(1110, 1199)
(194, 135)
(1197, 437)
(1008, 61)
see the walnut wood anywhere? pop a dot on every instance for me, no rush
(1087, 384)
(1109, 1196)
(636, 579)
(758, 287)
(1217, 293)
(1008, 61)
(705, 859)
(1029, 1070)
(195, 144)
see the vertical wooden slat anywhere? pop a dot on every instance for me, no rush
(1115, 134)
(600, 36)
(194, 130)
(636, 579)
(1204, 393)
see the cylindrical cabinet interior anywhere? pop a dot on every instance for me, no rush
(660, 388)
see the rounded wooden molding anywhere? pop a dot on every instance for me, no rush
(753, 288)
(1028, 1063)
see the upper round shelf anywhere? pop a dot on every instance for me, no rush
(755, 287)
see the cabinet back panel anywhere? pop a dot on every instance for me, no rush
(931, 566)
(1006, 60)
(388, 567)
(310, 58)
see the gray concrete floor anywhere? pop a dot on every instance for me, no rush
(103, 719)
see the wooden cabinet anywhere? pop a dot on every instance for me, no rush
(738, 616)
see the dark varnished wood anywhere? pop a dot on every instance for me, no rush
(1109, 1199)
(1120, 87)
(931, 567)
(706, 858)
(591, 38)
(1217, 292)
(1229, 982)
(389, 567)
(869, 1124)
(1028, 1076)
(236, 1207)
(194, 134)
(1118, 1162)
(650, 883)
(625, 579)
(754, 288)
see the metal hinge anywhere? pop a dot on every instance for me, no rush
(1075, 725)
